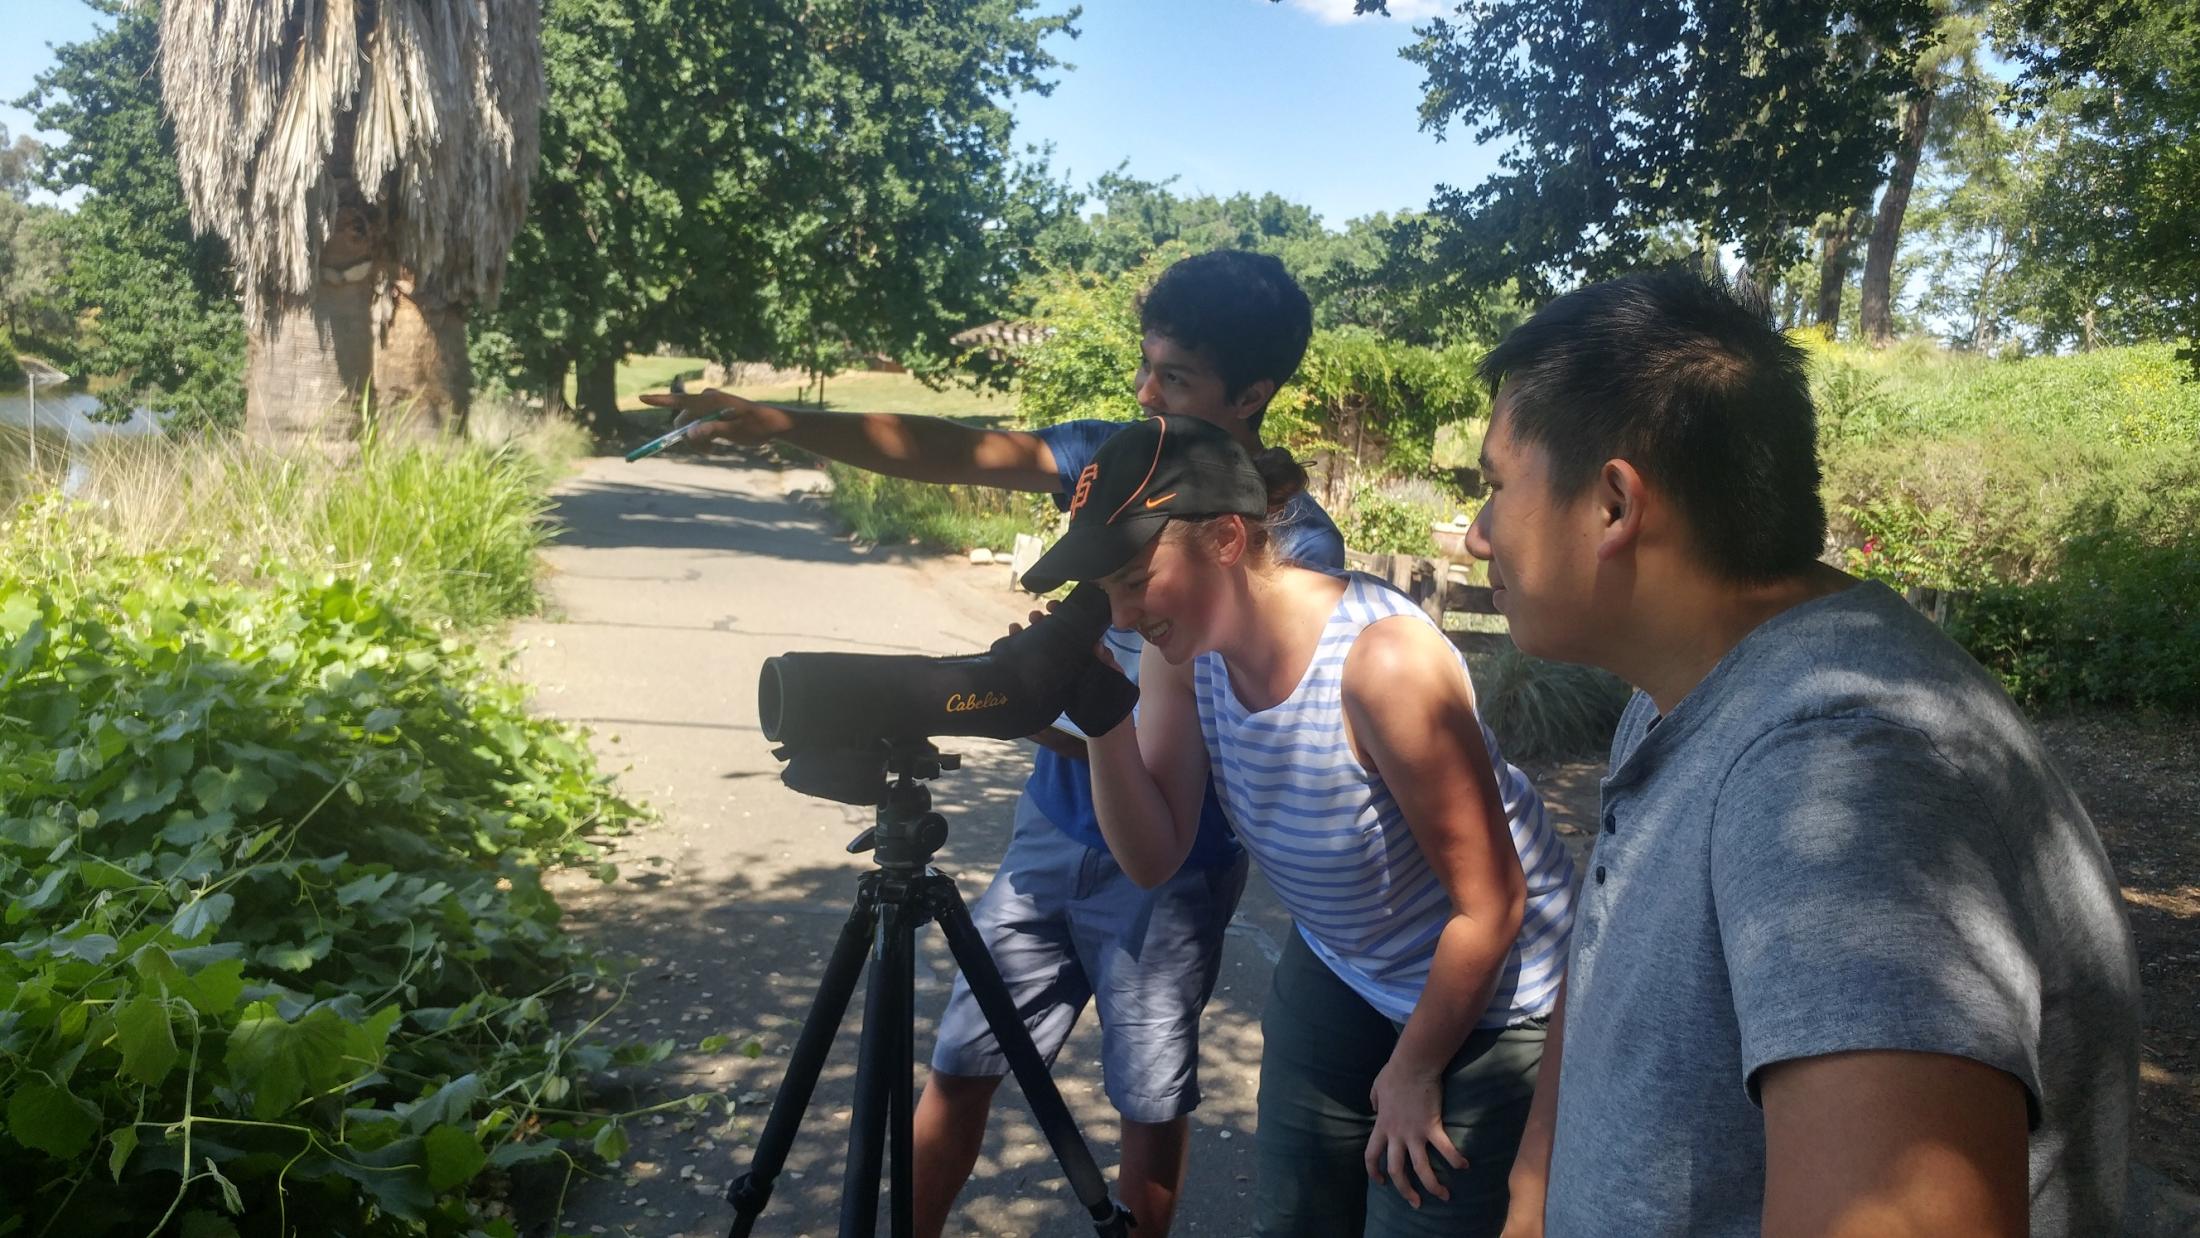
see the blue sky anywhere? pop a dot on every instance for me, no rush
(1231, 96)
(1228, 96)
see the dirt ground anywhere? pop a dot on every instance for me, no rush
(2140, 778)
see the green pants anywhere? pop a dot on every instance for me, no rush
(1324, 1047)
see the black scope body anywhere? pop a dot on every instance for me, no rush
(1014, 689)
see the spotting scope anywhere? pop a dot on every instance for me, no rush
(841, 701)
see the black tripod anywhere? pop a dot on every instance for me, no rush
(892, 901)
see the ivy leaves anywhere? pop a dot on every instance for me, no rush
(270, 857)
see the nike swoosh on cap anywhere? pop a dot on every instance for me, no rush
(1163, 499)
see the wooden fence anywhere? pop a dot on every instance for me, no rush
(1435, 585)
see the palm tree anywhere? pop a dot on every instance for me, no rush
(367, 161)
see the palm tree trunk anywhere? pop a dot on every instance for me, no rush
(306, 366)
(1877, 310)
(422, 377)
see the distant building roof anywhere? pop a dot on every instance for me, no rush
(1002, 334)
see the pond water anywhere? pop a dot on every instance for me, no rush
(67, 411)
(64, 428)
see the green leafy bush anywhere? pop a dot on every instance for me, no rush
(1374, 403)
(11, 372)
(1380, 524)
(2059, 493)
(272, 858)
(1086, 368)
(2117, 624)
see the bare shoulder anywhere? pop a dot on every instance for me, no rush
(1393, 652)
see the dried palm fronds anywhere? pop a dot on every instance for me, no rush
(428, 108)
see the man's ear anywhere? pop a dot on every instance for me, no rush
(1620, 495)
(1255, 397)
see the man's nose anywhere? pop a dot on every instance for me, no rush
(1478, 537)
(1147, 388)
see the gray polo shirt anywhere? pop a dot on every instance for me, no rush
(1845, 838)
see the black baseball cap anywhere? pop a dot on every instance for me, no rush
(1149, 473)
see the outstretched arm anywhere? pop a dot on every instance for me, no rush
(928, 449)
(1412, 719)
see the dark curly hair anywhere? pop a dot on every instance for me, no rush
(1241, 309)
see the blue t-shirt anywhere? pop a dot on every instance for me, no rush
(1061, 787)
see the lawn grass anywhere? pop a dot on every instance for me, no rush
(858, 391)
(639, 374)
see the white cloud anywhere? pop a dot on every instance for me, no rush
(1338, 12)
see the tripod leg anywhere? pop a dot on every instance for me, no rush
(902, 977)
(752, 1190)
(986, 985)
(874, 1082)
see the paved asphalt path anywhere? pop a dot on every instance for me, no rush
(672, 581)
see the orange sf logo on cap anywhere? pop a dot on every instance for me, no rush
(1084, 487)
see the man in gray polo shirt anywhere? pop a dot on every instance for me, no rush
(1849, 957)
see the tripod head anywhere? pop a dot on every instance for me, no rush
(907, 832)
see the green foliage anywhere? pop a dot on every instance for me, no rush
(11, 372)
(31, 259)
(2115, 210)
(1086, 368)
(953, 518)
(1378, 272)
(754, 183)
(459, 527)
(1380, 524)
(164, 323)
(1624, 120)
(1139, 217)
(1376, 401)
(2118, 623)
(2057, 491)
(272, 857)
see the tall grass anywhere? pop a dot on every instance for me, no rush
(451, 527)
(952, 518)
(1544, 711)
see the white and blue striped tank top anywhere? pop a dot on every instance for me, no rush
(1334, 846)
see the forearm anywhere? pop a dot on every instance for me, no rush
(1470, 956)
(1148, 843)
(926, 449)
(1531, 1171)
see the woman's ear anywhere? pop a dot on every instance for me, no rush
(1232, 539)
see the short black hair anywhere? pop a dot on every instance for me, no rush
(1678, 376)
(1242, 309)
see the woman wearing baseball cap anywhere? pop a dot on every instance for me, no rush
(1433, 901)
